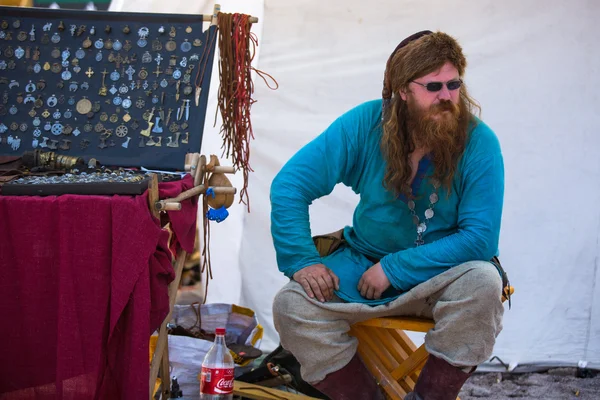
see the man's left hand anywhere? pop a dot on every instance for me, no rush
(373, 282)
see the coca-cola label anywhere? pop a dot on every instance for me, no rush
(216, 381)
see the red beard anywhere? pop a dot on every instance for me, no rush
(434, 129)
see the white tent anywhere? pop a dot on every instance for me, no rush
(533, 66)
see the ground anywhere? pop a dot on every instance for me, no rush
(555, 384)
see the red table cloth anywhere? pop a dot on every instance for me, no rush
(84, 284)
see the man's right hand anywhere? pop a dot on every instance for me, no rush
(318, 280)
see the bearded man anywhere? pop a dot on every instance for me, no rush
(424, 238)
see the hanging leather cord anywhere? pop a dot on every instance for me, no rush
(237, 47)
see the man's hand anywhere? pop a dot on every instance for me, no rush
(318, 280)
(373, 282)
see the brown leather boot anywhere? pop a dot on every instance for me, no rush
(352, 382)
(439, 380)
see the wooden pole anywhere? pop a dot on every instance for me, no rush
(162, 341)
(153, 195)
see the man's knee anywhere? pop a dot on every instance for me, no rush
(485, 282)
(287, 304)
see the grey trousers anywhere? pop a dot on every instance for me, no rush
(464, 302)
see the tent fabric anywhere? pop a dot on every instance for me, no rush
(533, 66)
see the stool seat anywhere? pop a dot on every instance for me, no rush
(390, 355)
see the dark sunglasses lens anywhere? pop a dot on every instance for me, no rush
(453, 85)
(434, 86)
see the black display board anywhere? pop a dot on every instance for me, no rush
(81, 83)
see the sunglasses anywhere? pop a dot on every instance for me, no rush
(437, 86)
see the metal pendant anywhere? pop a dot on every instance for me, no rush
(77, 69)
(57, 129)
(19, 52)
(117, 100)
(127, 46)
(71, 101)
(12, 110)
(185, 46)
(121, 131)
(99, 56)
(9, 52)
(55, 38)
(80, 54)
(3, 65)
(99, 44)
(429, 213)
(157, 45)
(36, 122)
(113, 90)
(37, 68)
(171, 45)
(126, 103)
(115, 75)
(123, 89)
(45, 39)
(108, 44)
(164, 83)
(66, 75)
(117, 45)
(421, 228)
(37, 132)
(143, 74)
(85, 86)
(52, 101)
(68, 114)
(30, 87)
(56, 115)
(146, 58)
(87, 43)
(76, 132)
(73, 87)
(183, 62)
(177, 73)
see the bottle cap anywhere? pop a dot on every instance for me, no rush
(220, 331)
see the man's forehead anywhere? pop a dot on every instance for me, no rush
(448, 70)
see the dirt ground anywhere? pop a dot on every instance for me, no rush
(555, 384)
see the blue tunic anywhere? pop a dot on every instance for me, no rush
(465, 227)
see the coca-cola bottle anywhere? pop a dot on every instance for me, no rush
(216, 381)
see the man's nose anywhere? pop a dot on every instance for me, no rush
(444, 94)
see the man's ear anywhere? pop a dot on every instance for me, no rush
(402, 93)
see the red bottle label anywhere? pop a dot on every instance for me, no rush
(216, 381)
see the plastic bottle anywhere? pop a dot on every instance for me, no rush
(216, 381)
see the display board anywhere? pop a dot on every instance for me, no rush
(129, 89)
